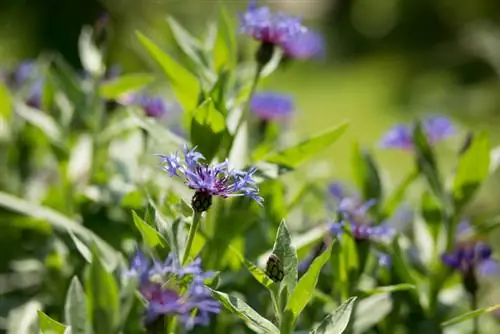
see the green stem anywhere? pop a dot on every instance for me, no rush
(274, 297)
(192, 232)
(473, 307)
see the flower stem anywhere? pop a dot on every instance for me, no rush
(192, 232)
(473, 307)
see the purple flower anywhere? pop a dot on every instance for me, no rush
(208, 181)
(268, 27)
(384, 260)
(27, 74)
(153, 106)
(471, 256)
(352, 211)
(174, 290)
(436, 129)
(310, 44)
(271, 106)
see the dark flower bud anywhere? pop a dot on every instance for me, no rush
(264, 54)
(201, 202)
(274, 268)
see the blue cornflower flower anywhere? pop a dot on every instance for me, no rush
(400, 136)
(310, 44)
(268, 27)
(173, 290)
(354, 212)
(153, 106)
(208, 181)
(25, 72)
(470, 256)
(270, 106)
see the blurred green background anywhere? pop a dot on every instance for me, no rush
(388, 61)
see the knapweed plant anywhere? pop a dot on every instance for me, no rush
(170, 202)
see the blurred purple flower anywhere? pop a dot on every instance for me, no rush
(400, 136)
(384, 260)
(310, 44)
(355, 213)
(208, 181)
(270, 106)
(153, 106)
(163, 285)
(268, 27)
(470, 256)
(26, 74)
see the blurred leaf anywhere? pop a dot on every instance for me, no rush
(75, 308)
(397, 196)
(285, 251)
(370, 311)
(184, 84)
(402, 267)
(41, 120)
(5, 102)
(294, 156)
(340, 272)
(387, 289)
(125, 84)
(366, 174)
(256, 272)
(24, 318)
(102, 294)
(90, 55)
(224, 50)
(337, 322)
(187, 42)
(58, 221)
(489, 226)
(207, 129)
(66, 81)
(470, 315)
(80, 161)
(252, 319)
(426, 161)
(151, 237)
(432, 212)
(303, 292)
(49, 325)
(273, 192)
(81, 247)
(472, 170)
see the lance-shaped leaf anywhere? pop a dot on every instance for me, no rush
(151, 237)
(336, 322)
(252, 319)
(256, 272)
(48, 325)
(75, 308)
(285, 251)
(125, 84)
(366, 174)
(470, 315)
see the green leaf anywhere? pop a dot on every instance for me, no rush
(80, 160)
(366, 174)
(102, 294)
(426, 162)
(151, 237)
(207, 129)
(184, 84)
(5, 102)
(75, 308)
(49, 325)
(387, 289)
(294, 156)
(370, 311)
(65, 79)
(285, 251)
(81, 247)
(127, 83)
(224, 51)
(303, 292)
(337, 322)
(432, 212)
(470, 315)
(473, 168)
(256, 272)
(398, 195)
(90, 55)
(58, 221)
(188, 44)
(42, 121)
(252, 319)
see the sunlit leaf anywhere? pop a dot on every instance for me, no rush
(49, 325)
(296, 155)
(370, 311)
(252, 319)
(207, 129)
(125, 84)
(256, 272)
(75, 308)
(285, 251)
(387, 289)
(224, 50)
(184, 84)
(473, 168)
(304, 289)
(337, 322)
(151, 237)
(470, 315)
